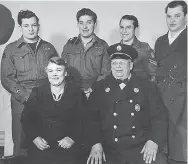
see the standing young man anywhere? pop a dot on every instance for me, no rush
(171, 54)
(145, 64)
(86, 54)
(22, 69)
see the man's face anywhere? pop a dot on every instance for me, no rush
(175, 19)
(30, 28)
(121, 68)
(127, 30)
(86, 26)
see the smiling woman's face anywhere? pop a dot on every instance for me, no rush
(56, 74)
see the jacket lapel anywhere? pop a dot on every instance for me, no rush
(170, 48)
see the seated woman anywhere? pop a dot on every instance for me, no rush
(51, 119)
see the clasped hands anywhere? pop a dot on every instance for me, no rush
(42, 144)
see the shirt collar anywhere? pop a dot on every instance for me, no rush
(171, 39)
(48, 88)
(94, 39)
(21, 41)
(135, 41)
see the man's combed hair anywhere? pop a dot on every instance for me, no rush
(174, 4)
(86, 11)
(130, 17)
(26, 14)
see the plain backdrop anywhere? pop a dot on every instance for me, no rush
(58, 23)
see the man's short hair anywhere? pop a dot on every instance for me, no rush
(86, 11)
(26, 14)
(174, 4)
(130, 17)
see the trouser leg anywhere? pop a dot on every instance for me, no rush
(17, 131)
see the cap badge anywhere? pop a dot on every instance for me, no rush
(136, 90)
(137, 107)
(107, 89)
(118, 48)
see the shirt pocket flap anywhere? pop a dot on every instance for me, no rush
(20, 55)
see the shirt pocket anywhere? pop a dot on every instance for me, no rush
(74, 59)
(22, 61)
(97, 57)
(98, 52)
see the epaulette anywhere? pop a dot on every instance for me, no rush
(72, 40)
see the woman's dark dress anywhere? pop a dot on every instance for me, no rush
(53, 120)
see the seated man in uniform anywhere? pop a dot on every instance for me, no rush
(127, 120)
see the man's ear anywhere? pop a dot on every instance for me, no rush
(131, 65)
(95, 25)
(66, 73)
(39, 27)
(77, 24)
(186, 19)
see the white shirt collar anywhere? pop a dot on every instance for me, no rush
(122, 85)
(171, 39)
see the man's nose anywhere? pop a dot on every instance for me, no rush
(30, 28)
(124, 30)
(118, 65)
(85, 25)
(172, 20)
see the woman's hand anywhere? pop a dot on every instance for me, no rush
(66, 142)
(40, 143)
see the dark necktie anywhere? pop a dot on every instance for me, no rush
(119, 81)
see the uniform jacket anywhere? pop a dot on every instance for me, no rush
(89, 63)
(23, 69)
(125, 119)
(172, 80)
(53, 120)
(145, 64)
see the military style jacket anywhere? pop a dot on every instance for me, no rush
(126, 119)
(22, 69)
(86, 64)
(172, 80)
(145, 65)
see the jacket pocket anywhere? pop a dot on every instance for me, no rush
(22, 61)
(74, 59)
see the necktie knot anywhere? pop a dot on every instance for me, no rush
(119, 81)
